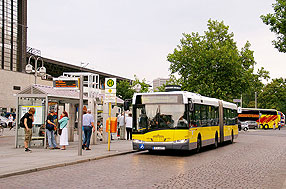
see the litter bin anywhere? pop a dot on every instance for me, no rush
(113, 125)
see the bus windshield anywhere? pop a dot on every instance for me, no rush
(160, 116)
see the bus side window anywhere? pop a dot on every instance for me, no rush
(224, 116)
(197, 116)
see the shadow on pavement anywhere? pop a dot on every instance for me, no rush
(183, 153)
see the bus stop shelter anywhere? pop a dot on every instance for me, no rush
(43, 98)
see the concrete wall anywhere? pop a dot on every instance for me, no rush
(9, 79)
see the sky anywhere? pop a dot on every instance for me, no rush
(134, 37)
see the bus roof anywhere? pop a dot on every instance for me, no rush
(258, 109)
(196, 98)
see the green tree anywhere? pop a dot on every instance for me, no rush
(277, 23)
(124, 90)
(255, 86)
(212, 65)
(144, 87)
(273, 95)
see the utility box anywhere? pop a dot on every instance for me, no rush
(113, 125)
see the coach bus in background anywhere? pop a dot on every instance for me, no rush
(265, 118)
(181, 120)
(282, 119)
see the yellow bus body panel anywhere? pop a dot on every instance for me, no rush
(170, 135)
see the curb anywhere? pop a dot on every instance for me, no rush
(64, 164)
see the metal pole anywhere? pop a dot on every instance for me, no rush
(255, 99)
(259, 120)
(109, 124)
(17, 121)
(46, 114)
(79, 127)
(241, 100)
(36, 67)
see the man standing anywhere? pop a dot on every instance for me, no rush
(129, 126)
(50, 129)
(121, 126)
(88, 128)
(28, 123)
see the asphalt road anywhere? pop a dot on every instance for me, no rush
(257, 159)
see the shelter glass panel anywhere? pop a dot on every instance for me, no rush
(38, 129)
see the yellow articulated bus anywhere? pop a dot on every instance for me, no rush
(181, 120)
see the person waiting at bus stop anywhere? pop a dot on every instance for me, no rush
(88, 128)
(28, 124)
(50, 130)
(128, 121)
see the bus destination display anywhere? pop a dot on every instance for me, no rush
(62, 83)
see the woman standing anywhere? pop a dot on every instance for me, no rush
(64, 135)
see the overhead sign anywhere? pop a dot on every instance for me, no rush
(66, 83)
(110, 90)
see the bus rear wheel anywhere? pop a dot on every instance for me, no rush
(216, 141)
(232, 137)
(199, 144)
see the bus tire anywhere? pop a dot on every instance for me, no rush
(216, 141)
(232, 137)
(199, 144)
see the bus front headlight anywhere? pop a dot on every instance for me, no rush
(137, 141)
(181, 141)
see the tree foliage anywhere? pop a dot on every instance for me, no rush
(142, 85)
(212, 65)
(255, 86)
(125, 90)
(277, 23)
(273, 95)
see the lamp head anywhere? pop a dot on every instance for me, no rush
(29, 68)
(42, 71)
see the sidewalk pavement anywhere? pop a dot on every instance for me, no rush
(16, 161)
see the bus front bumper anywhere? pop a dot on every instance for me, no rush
(181, 145)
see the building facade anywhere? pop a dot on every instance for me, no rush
(159, 82)
(13, 38)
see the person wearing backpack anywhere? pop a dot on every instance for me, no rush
(27, 122)
(50, 129)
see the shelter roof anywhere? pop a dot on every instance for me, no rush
(50, 92)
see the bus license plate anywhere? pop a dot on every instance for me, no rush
(159, 148)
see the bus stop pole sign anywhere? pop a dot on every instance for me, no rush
(110, 96)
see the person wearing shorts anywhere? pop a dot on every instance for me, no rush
(28, 123)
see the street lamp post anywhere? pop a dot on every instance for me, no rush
(30, 69)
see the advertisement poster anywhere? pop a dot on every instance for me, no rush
(38, 114)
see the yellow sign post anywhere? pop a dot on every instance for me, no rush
(110, 97)
(109, 124)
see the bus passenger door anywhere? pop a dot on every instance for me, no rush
(221, 123)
